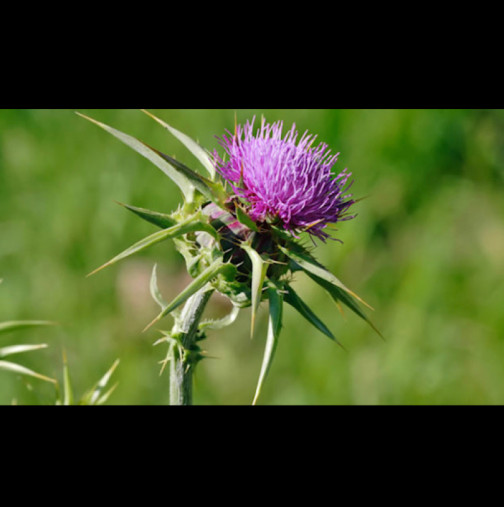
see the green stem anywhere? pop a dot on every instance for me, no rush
(184, 362)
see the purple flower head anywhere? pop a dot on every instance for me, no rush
(284, 181)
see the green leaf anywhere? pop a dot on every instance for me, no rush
(292, 298)
(274, 327)
(152, 155)
(160, 219)
(14, 325)
(19, 349)
(189, 225)
(154, 289)
(218, 267)
(259, 268)
(190, 144)
(95, 393)
(311, 266)
(244, 219)
(339, 295)
(22, 370)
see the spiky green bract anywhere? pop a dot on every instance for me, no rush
(229, 250)
(274, 327)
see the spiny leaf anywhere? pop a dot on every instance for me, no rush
(198, 283)
(339, 295)
(189, 225)
(149, 153)
(259, 268)
(274, 327)
(22, 370)
(311, 266)
(19, 349)
(93, 395)
(190, 144)
(160, 219)
(292, 298)
(154, 289)
(14, 325)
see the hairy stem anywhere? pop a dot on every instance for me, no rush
(183, 364)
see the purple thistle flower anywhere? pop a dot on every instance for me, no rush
(282, 180)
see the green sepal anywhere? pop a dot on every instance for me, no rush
(216, 268)
(154, 217)
(189, 143)
(191, 224)
(292, 298)
(152, 155)
(274, 328)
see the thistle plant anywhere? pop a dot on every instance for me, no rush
(240, 230)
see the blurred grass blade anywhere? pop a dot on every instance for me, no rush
(259, 268)
(152, 155)
(154, 289)
(190, 144)
(14, 325)
(160, 219)
(19, 349)
(106, 396)
(189, 225)
(292, 298)
(22, 370)
(68, 397)
(244, 219)
(339, 295)
(274, 327)
(310, 265)
(221, 323)
(92, 397)
(198, 283)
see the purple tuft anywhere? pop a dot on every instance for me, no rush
(285, 181)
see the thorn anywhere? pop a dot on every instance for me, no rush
(98, 269)
(157, 319)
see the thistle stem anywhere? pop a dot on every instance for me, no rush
(183, 364)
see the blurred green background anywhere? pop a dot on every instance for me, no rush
(426, 251)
